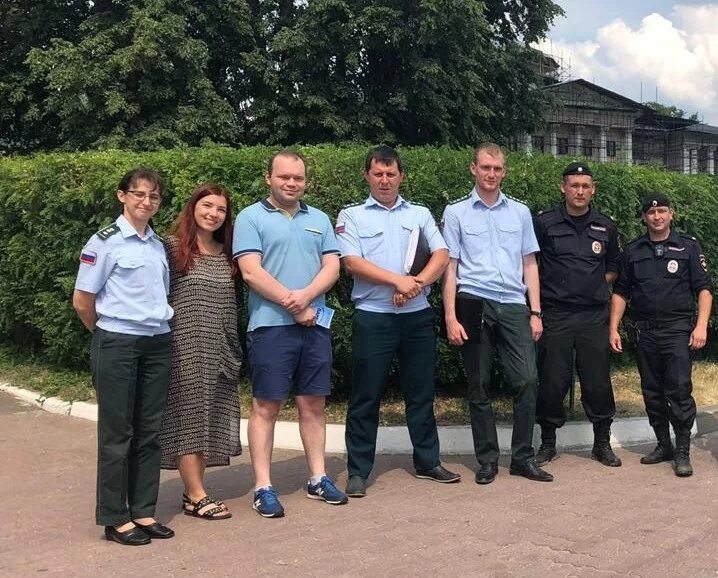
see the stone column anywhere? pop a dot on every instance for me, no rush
(579, 142)
(554, 142)
(686, 160)
(628, 147)
(711, 161)
(694, 161)
(602, 153)
(527, 144)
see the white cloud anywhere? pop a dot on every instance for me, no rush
(677, 54)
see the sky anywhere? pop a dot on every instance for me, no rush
(642, 48)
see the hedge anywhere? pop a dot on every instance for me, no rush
(50, 204)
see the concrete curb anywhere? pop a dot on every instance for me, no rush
(454, 440)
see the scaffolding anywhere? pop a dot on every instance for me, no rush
(583, 119)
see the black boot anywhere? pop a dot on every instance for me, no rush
(547, 451)
(682, 459)
(602, 451)
(663, 451)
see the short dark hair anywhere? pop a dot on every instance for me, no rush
(142, 174)
(285, 153)
(383, 154)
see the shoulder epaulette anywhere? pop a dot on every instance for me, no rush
(690, 237)
(464, 198)
(417, 204)
(355, 204)
(515, 199)
(108, 231)
(546, 212)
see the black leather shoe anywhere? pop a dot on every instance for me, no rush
(487, 473)
(531, 471)
(545, 454)
(132, 537)
(156, 530)
(662, 453)
(603, 453)
(356, 487)
(438, 474)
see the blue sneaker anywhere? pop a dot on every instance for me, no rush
(327, 491)
(266, 502)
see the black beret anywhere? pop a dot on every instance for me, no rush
(577, 169)
(654, 200)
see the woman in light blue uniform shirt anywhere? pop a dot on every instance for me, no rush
(121, 296)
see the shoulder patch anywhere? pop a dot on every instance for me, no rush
(108, 231)
(460, 199)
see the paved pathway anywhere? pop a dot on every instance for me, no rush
(593, 521)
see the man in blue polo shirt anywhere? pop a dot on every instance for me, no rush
(392, 317)
(491, 271)
(289, 258)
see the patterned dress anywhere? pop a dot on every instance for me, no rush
(202, 414)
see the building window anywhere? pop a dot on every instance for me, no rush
(537, 143)
(562, 145)
(587, 147)
(611, 148)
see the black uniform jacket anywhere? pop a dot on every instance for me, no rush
(662, 287)
(573, 264)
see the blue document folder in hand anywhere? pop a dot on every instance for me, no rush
(324, 316)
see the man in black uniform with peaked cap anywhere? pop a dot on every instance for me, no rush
(579, 259)
(662, 272)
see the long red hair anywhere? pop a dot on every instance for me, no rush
(184, 229)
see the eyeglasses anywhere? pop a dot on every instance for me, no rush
(154, 198)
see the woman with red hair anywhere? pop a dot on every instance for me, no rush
(201, 423)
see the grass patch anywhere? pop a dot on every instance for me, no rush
(71, 385)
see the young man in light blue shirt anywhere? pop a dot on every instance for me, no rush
(289, 258)
(491, 272)
(392, 318)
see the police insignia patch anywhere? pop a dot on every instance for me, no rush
(703, 262)
(596, 247)
(672, 266)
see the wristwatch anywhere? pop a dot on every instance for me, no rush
(537, 314)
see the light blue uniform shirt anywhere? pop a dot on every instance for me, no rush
(489, 244)
(380, 235)
(130, 279)
(291, 247)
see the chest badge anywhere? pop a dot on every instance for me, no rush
(596, 247)
(672, 266)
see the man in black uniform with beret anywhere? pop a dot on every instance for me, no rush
(662, 272)
(579, 259)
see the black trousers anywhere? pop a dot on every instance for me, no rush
(376, 339)
(583, 333)
(505, 329)
(130, 374)
(664, 362)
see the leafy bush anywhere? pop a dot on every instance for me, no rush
(50, 204)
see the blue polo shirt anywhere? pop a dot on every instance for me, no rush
(291, 246)
(489, 244)
(380, 235)
(130, 279)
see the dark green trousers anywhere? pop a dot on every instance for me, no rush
(130, 374)
(506, 330)
(376, 339)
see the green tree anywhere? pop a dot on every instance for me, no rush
(140, 75)
(671, 110)
(407, 71)
(27, 24)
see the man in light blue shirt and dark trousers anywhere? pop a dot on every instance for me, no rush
(392, 317)
(289, 258)
(491, 272)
